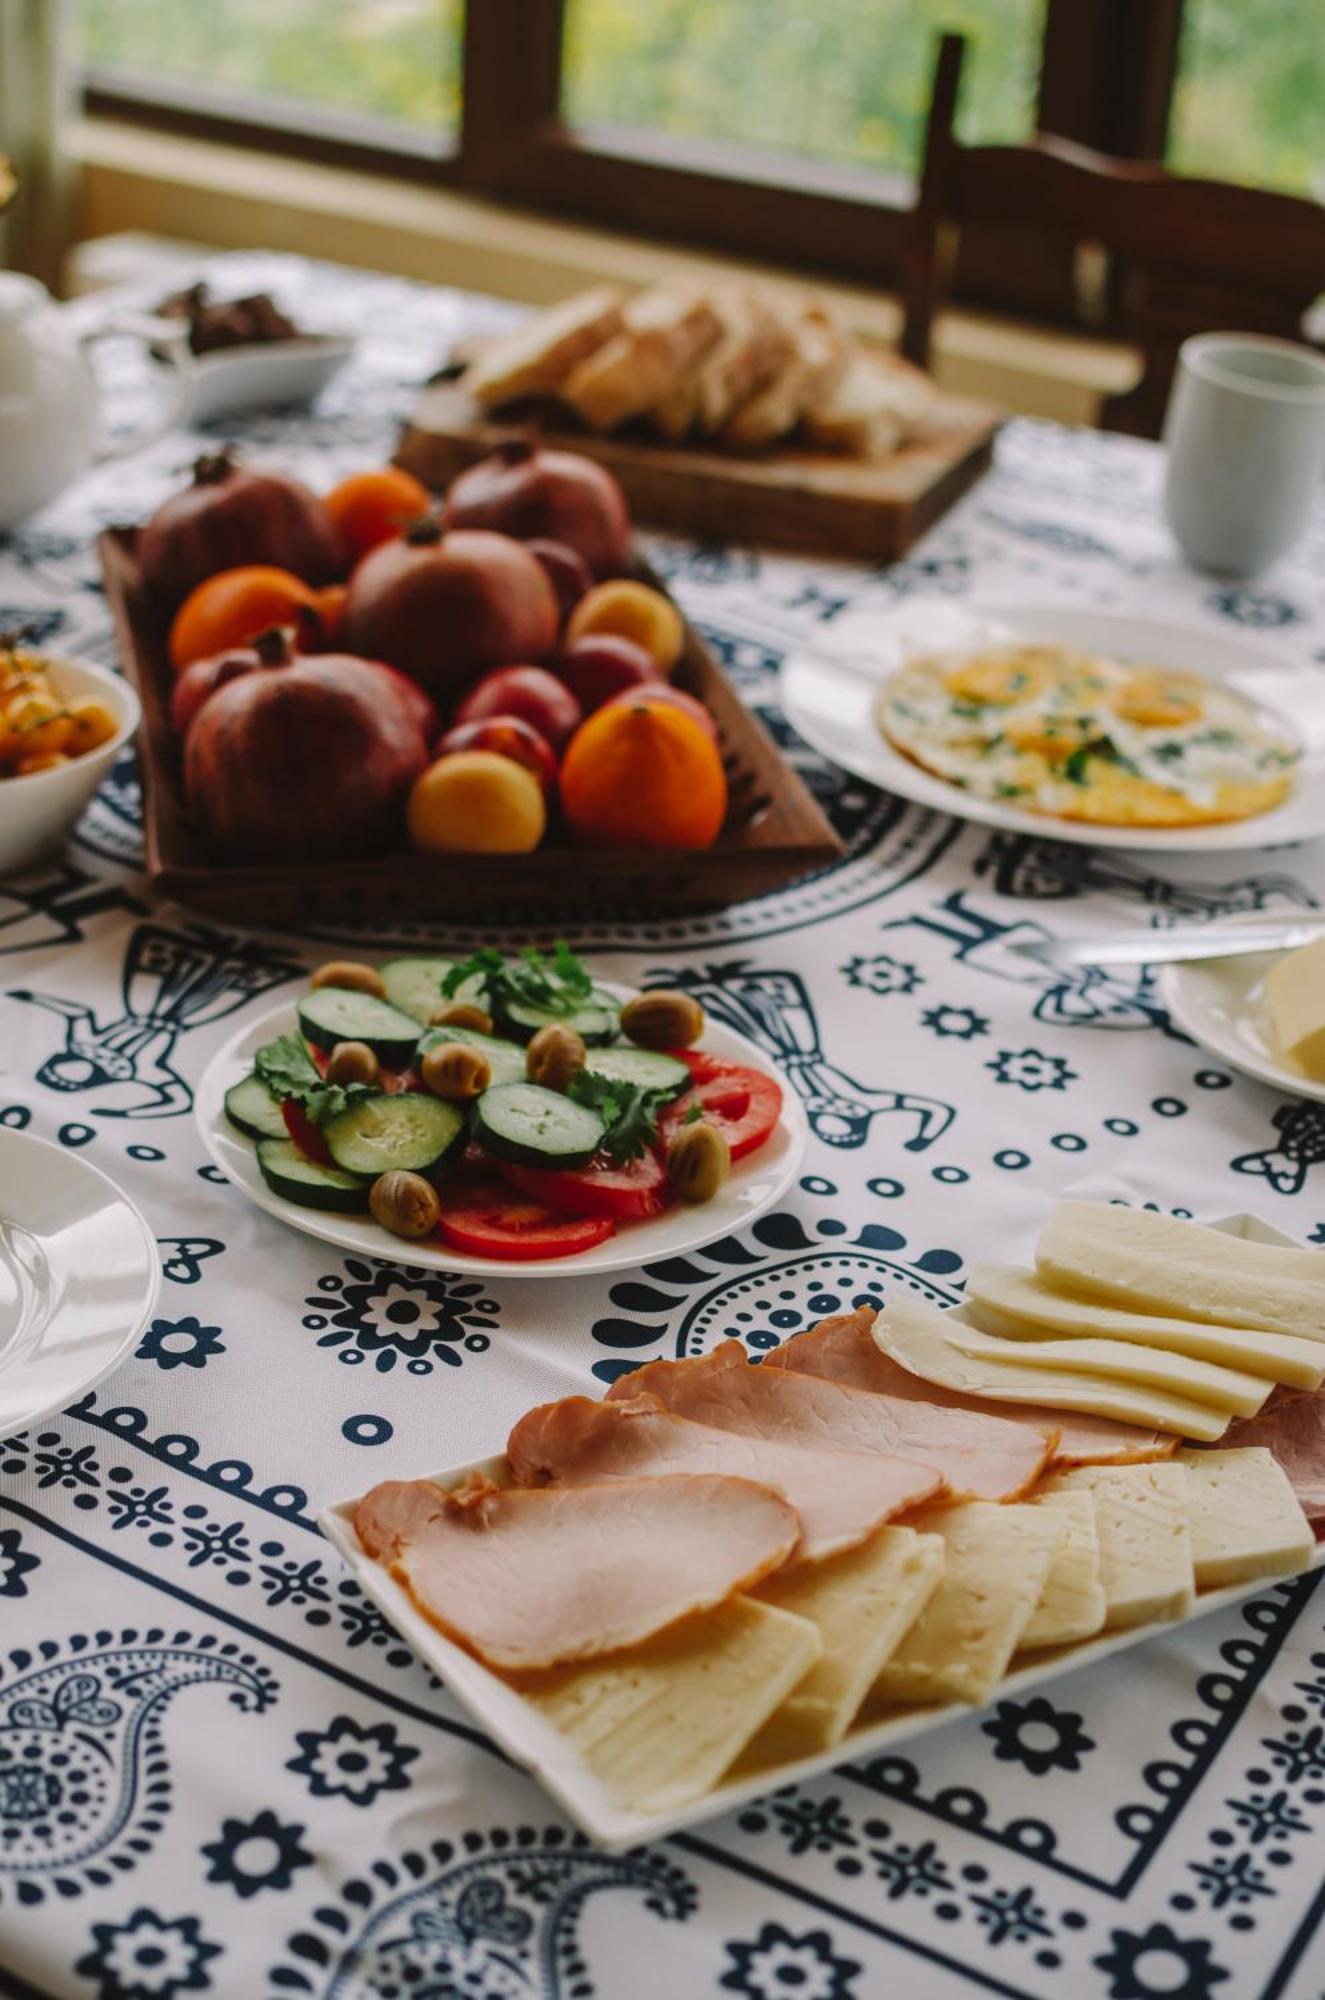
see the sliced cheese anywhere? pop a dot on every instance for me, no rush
(1244, 1517)
(917, 1335)
(996, 1563)
(1023, 1304)
(1295, 996)
(1158, 1264)
(1145, 1542)
(1072, 1604)
(1230, 1389)
(863, 1604)
(659, 1725)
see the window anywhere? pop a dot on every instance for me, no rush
(1249, 104)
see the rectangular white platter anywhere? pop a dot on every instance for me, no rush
(538, 1748)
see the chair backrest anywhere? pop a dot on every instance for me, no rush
(1187, 256)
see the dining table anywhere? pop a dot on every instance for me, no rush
(222, 1772)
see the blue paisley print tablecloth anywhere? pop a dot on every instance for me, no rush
(222, 1773)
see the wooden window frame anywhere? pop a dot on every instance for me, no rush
(1108, 68)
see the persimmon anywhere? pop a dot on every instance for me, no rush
(331, 607)
(232, 607)
(643, 773)
(371, 507)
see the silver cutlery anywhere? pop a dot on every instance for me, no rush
(1169, 947)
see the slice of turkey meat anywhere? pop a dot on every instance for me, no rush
(1292, 1429)
(980, 1457)
(531, 1577)
(840, 1496)
(843, 1350)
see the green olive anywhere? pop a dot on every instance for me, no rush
(662, 1020)
(455, 1070)
(352, 1062)
(698, 1162)
(405, 1204)
(461, 1014)
(554, 1056)
(350, 974)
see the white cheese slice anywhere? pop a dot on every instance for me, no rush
(996, 1562)
(1295, 996)
(1159, 1264)
(917, 1335)
(1019, 1304)
(658, 1725)
(1244, 1517)
(1072, 1604)
(863, 1603)
(1230, 1389)
(1145, 1542)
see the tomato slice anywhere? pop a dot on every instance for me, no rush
(626, 1194)
(743, 1103)
(304, 1132)
(485, 1217)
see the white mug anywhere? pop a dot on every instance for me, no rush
(1245, 435)
(50, 425)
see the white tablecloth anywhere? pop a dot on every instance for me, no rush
(221, 1773)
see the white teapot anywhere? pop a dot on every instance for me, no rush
(50, 425)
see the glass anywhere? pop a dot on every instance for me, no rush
(845, 82)
(1250, 98)
(392, 62)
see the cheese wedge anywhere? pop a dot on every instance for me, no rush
(659, 1725)
(1019, 1305)
(1145, 1541)
(917, 1336)
(1157, 1264)
(997, 1560)
(1244, 1517)
(863, 1603)
(1295, 996)
(1230, 1389)
(1072, 1604)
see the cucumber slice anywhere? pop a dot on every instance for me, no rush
(380, 1134)
(597, 1022)
(334, 1014)
(647, 1068)
(506, 1059)
(254, 1109)
(290, 1173)
(415, 985)
(522, 1121)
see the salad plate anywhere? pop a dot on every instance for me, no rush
(757, 1183)
(830, 696)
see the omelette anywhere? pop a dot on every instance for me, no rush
(1076, 736)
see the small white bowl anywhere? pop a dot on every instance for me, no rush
(262, 375)
(36, 811)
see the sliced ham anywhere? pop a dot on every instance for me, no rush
(841, 1497)
(980, 1457)
(528, 1578)
(1292, 1428)
(843, 1350)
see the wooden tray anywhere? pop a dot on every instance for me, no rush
(790, 497)
(774, 832)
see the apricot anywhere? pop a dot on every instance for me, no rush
(630, 610)
(91, 723)
(36, 724)
(476, 802)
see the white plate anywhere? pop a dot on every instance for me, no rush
(755, 1185)
(829, 698)
(262, 375)
(78, 1278)
(549, 1757)
(1220, 1002)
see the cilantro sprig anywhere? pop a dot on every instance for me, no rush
(629, 1113)
(288, 1070)
(559, 983)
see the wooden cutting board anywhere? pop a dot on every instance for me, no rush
(787, 497)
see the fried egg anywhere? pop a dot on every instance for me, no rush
(1081, 737)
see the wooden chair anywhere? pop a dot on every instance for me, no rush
(1186, 256)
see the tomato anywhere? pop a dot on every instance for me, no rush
(304, 1132)
(743, 1103)
(481, 1215)
(627, 1194)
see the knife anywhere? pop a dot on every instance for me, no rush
(1159, 947)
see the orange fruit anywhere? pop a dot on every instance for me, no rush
(233, 606)
(643, 774)
(630, 610)
(371, 507)
(331, 607)
(476, 802)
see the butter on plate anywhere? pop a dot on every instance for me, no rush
(1295, 996)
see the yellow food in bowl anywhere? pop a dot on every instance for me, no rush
(39, 728)
(1074, 736)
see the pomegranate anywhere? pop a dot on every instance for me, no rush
(558, 496)
(445, 608)
(233, 514)
(201, 678)
(567, 572)
(312, 763)
(596, 668)
(534, 695)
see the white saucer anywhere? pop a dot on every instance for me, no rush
(1220, 1002)
(756, 1183)
(262, 375)
(829, 697)
(78, 1278)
